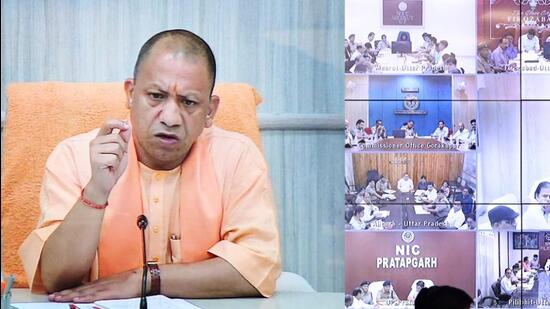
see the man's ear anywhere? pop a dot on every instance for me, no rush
(212, 110)
(129, 89)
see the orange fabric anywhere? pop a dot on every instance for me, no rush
(226, 209)
(48, 112)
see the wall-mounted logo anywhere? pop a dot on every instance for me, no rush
(402, 13)
(411, 105)
(407, 236)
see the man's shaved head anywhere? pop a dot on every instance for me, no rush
(184, 44)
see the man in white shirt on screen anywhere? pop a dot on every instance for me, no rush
(441, 131)
(529, 42)
(506, 286)
(537, 217)
(431, 194)
(455, 218)
(405, 184)
(461, 135)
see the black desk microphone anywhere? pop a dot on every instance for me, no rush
(142, 225)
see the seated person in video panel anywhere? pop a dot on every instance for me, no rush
(467, 200)
(430, 195)
(438, 53)
(422, 183)
(511, 51)
(383, 44)
(472, 136)
(367, 296)
(484, 62)
(348, 301)
(461, 135)
(470, 223)
(387, 295)
(506, 286)
(450, 65)
(349, 135)
(358, 299)
(440, 207)
(503, 218)
(356, 221)
(455, 219)
(379, 131)
(441, 132)
(405, 184)
(538, 216)
(408, 127)
(370, 189)
(529, 42)
(419, 286)
(383, 184)
(499, 57)
(348, 214)
(446, 189)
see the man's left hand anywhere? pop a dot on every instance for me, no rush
(123, 285)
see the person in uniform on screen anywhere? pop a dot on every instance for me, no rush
(405, 184)
(386, 296)
(367, 295)
(503, 218)
(537, 217)
(212, 220)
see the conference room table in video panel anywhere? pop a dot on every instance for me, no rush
(536, 295)
(405, 213)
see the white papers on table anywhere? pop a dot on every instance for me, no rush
(419, 210)
(419, 192)
(153, 302)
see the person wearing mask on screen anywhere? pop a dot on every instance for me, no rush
(537, 217)
(529, 42)
(503, 218)
(512, 51)
(506, 286)
(414, 292)
(405, 184)
(484, 62)
(379, 131)
(441, 132)
(96, 184)
(455, 218)
(367, 295)
(500, 59)
(387, 296)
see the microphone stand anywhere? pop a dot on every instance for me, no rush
(142, 225)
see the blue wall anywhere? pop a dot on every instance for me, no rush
(434, 95)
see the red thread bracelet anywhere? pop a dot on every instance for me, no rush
(90, 203)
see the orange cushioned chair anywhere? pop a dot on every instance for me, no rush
(43, 114)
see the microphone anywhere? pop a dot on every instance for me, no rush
(142, 225)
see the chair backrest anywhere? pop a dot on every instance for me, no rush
(53, 111)
(372, 175)
(495, 287)
(398, 133)
(403, 36)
